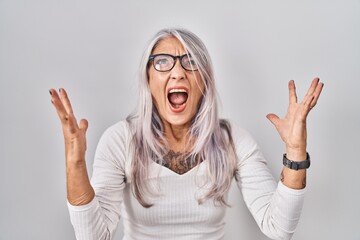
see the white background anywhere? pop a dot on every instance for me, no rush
(93, 49)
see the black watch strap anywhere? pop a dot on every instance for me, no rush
(297, 165)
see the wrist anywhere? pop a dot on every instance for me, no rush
(296, 155)
(296, 165)
(75, 162)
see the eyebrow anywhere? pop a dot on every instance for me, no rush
(157, 54)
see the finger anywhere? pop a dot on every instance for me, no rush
(83, 125)
(317, 93)
(307, 105)
(68, 121)
(292, 92)
(273, 118)
(65, 100)
(312, 88)
(71, 124)
(60, 109)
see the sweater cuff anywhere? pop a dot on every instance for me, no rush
(286, 189)
(92, 204)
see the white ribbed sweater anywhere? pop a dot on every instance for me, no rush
(176, 213)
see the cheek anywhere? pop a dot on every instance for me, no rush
(154, 94)
(198, 98)
(200, 88)
(156, 90)
(151, 83)
(199, 82)
(157, 100)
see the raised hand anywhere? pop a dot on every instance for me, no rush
(292, 128)
(79, 190)
(74, 134)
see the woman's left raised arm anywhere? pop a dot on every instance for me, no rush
(292, 130)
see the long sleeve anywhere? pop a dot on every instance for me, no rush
(275, 207)
(98, 219)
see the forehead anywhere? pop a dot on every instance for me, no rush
(169, 45)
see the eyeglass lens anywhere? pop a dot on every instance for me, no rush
(163, 62)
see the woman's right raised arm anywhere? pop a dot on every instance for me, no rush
(79, 189)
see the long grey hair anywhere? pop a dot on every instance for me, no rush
(212, 138)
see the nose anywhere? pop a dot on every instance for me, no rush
(177, 72)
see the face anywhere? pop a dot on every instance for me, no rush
(176, 93)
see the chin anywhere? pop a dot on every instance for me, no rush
(177, 120)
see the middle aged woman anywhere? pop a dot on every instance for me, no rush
(167, 169)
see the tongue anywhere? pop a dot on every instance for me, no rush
(177, 98)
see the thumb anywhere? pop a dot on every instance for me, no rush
(273, 118)
(83, 125)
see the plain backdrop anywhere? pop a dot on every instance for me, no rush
(93, 49)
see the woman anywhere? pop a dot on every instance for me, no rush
(167, 169)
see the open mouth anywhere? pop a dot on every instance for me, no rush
(177, 98)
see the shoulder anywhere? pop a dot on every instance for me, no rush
(116, 132)
(238, 133)
(115, 139)
(120, 127)
(244, 142)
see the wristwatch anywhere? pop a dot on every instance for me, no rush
(296, 165)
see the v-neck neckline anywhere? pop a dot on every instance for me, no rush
(198, 166)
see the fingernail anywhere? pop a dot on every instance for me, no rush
(59, 90)
(52, 101)
(50, 92)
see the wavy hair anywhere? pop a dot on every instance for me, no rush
(212, 136)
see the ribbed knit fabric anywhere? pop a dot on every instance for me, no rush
(176, 213)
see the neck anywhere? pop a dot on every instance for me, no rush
(177, 137)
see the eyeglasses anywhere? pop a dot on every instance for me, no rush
(165, 62)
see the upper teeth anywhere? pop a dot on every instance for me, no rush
(177, 90)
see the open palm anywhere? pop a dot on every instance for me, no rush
(292, 128)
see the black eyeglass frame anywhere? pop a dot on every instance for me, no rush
(180, 57)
